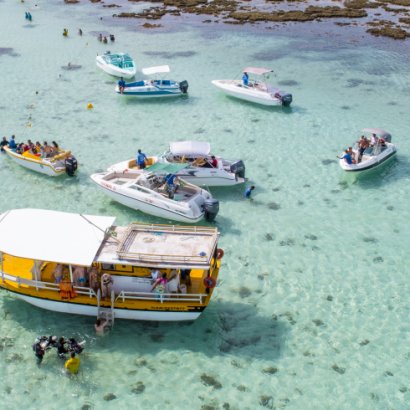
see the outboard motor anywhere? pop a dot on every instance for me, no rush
(285, 97)
(70, 165)
(387, 137)
(238, 168)
(183, 86)
(211, 206)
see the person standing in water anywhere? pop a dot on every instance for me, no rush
(248, 191)
(72, 364)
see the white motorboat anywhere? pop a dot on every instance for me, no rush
(117, 65)
(257, 90)
(62, 163)
(380, 149)
(201, 168)
(159, 193)
(154, 88)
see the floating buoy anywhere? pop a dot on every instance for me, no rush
(28, 124)
(65, 32)
(90, 106)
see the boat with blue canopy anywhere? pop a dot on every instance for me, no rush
(153, 87)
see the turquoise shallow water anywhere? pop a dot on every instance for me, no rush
(311, 310)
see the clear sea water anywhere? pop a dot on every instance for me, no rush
(312, 306)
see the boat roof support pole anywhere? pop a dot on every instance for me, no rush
(71, 273)
(1, 266)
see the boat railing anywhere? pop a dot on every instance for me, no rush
(161, 297)
(79, 290)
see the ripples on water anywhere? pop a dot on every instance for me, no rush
(311, 310)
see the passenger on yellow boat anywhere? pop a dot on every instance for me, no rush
(173, 282)
(58, 273)
(79, 276)
(155, 273)
(47, 149)
(101, 325)
(93, 279)
(106, 285)
(159, 285)
(66, 289)
(72, 364)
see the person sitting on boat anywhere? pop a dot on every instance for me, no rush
(173, 282)
(12, 143)
(352, 154)
(3, 143)
(93, 279)
(79, 276)
(363, 144)
(47, 149)
(58, 273)
(20, 148)
(66, 288)
(155, 274)
(56, 147)
(106, 285)
(159, 285)
(141, 158)
(72, 364)
(347, 157)
(374, 140)
(214, 162)
(121, 85)
(245, 79)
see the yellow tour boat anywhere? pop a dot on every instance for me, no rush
(62, 163)
(84, 265)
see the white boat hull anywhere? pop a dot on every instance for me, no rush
(370, 162)
(88, 310)
(115, 71)
(145, 205)
(235, 89)
(197, 176)
(37, 166)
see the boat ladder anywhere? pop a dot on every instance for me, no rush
(106, 313)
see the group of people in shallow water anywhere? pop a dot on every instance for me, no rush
(44, 150)
(104, 39)
(63, 348)
(349, 156)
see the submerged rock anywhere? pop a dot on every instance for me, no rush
(109, 396)
(138, 388)
(270, 370)
(266, 401)
(210, 381)
(340, 370)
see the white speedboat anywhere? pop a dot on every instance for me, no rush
(117, 65)
(201, 168)
(154, 88)
(83, 264)
(258, 90)
(379, 151)
(160, 194)
(62, 163)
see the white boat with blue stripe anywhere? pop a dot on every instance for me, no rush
(153, 88)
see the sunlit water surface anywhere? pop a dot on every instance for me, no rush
(311, 309)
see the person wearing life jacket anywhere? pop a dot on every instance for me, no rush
(72, 365)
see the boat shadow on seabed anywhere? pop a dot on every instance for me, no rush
(224, 328)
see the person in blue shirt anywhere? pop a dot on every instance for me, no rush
(121, 85)
(248, 191)
(245, 79)
(347, 157)
(141, 158)
(12, 143)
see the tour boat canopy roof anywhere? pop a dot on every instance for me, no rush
(257, 71)
(190, 148)
(52, 236)
(155, 70)
(377, 131)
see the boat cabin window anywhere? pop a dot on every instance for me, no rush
(108, 266)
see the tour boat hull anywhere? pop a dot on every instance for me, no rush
(41, 166)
